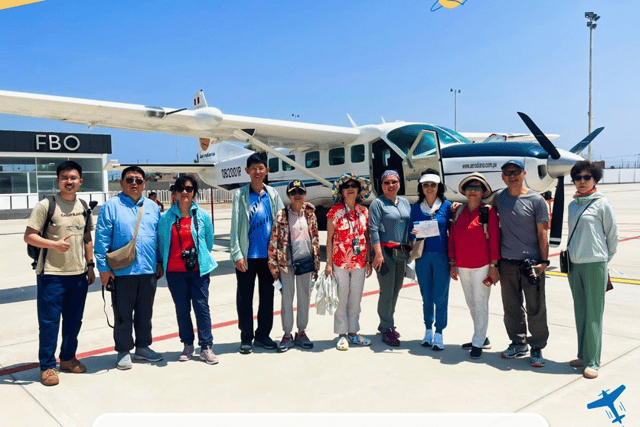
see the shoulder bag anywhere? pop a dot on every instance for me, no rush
(565, 261)
(126, 255)
(304, 265)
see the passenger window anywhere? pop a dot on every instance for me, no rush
(386, 155)
(273, 165)
(336, 156)
(286, 167)
(312, 159)
(357, 153)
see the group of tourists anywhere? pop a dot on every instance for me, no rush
(477, 244)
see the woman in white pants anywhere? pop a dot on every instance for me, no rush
(474, 251)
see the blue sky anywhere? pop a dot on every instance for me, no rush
(321, 60)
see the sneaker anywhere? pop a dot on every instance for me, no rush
(208, 356)
(427, 341)
(396, 332)
(286, 343)
(74, 366)
(486, 345)
(245, 348)
(145, 353)
(49, 377)
(186, 354)
(537, 361)
(515, 350)
(438, 343)
(343, 344)
(303, 340)
(576, 363)
(266, 342)
(389, 338)
(124, 361)
(590, 373)
(476, 352)
(359, 340)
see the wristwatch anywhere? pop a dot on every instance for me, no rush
(544, 261)
(91, 264)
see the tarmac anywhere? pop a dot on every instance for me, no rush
(351, 387)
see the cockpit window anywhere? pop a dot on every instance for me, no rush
(404, 137)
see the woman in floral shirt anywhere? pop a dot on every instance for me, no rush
(348, 255)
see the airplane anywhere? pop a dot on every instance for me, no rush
(608, 399)
(319, 154)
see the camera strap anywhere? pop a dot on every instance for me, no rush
(104, 308)
(194, 217)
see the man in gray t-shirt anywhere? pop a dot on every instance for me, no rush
(524, 217)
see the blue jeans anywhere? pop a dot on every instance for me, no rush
(432, 270)
(189, 288)
(60, 296)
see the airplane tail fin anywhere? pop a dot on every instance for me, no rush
(199, 101)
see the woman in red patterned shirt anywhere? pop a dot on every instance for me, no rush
(348, 255)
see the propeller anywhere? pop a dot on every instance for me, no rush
(555, 236)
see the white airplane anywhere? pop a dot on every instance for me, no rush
(315, 153)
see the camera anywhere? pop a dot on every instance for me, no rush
(190, 258)
(111, 285)
(484, 214)
(526, 268)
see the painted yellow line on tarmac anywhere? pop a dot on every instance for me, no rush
(613, 279)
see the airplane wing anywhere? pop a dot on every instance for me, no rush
(503, 137)
(113, 165)
(606, 399)
(206, 122)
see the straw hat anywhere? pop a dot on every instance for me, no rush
(476, 176)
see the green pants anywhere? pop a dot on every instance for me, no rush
(588, 284)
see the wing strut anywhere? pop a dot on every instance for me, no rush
(243, 136)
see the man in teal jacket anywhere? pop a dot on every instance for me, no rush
(254, 209)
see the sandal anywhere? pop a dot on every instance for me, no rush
(359, 340)
(343, 344)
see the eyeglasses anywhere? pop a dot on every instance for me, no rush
(512, 172)
(297, 192)
(69, 178)
(138, 181)
(180, 189)
(585, 177)
(391, 182)
(473, 188)
(351, 185)
(257, 169)
(429, 185)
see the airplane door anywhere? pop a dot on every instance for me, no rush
(384, 158)
(423, 154)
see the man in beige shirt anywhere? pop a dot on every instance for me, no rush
(64, 269)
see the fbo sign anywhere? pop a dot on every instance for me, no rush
(53, 143)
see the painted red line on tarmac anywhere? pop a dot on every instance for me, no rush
(22, 368)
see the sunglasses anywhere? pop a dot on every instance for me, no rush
(586, 177)
(351, 185)
(138, 181)
(429, 185)
(180, 189)
(391, 182)
(512, 172)
(297, 192)
(473, 188)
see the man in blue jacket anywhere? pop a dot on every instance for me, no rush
(135, 285)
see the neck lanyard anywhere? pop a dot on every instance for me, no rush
(194, 217)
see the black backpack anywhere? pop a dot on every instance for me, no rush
(33, 251)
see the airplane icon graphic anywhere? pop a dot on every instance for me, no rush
(608, 399)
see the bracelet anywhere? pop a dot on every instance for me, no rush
(545, 261)
(91, 264)
(494, 265)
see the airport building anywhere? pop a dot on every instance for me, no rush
(28, 163)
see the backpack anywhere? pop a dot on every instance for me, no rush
(33, 251)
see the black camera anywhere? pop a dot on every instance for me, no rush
(111, 285)
(484, 214)
(526, 268)
(190, 257)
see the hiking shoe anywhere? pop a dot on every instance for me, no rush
(74, 366)
(486, 345)
(476, 352)
(359, 340)
(303, 340)
(124, 361)
(515, 350)
(145, 353)
(389, 338)
(537, 361)
(343, 344)
(590, 373)
(49, 377)
(396, 332)
(286, 343)
(186, 354)
(427, 341)
(438, 343)
(266, 342)
(576, 363)
(245, 348)
(208, 356)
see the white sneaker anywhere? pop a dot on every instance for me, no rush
(343, 344)
(186, 354)
(427, 341)
(437, 342)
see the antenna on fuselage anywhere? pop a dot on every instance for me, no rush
(351, 120)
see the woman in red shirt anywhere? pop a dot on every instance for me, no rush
(474, 251)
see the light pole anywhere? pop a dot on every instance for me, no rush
(592, 17)
(455, 108)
